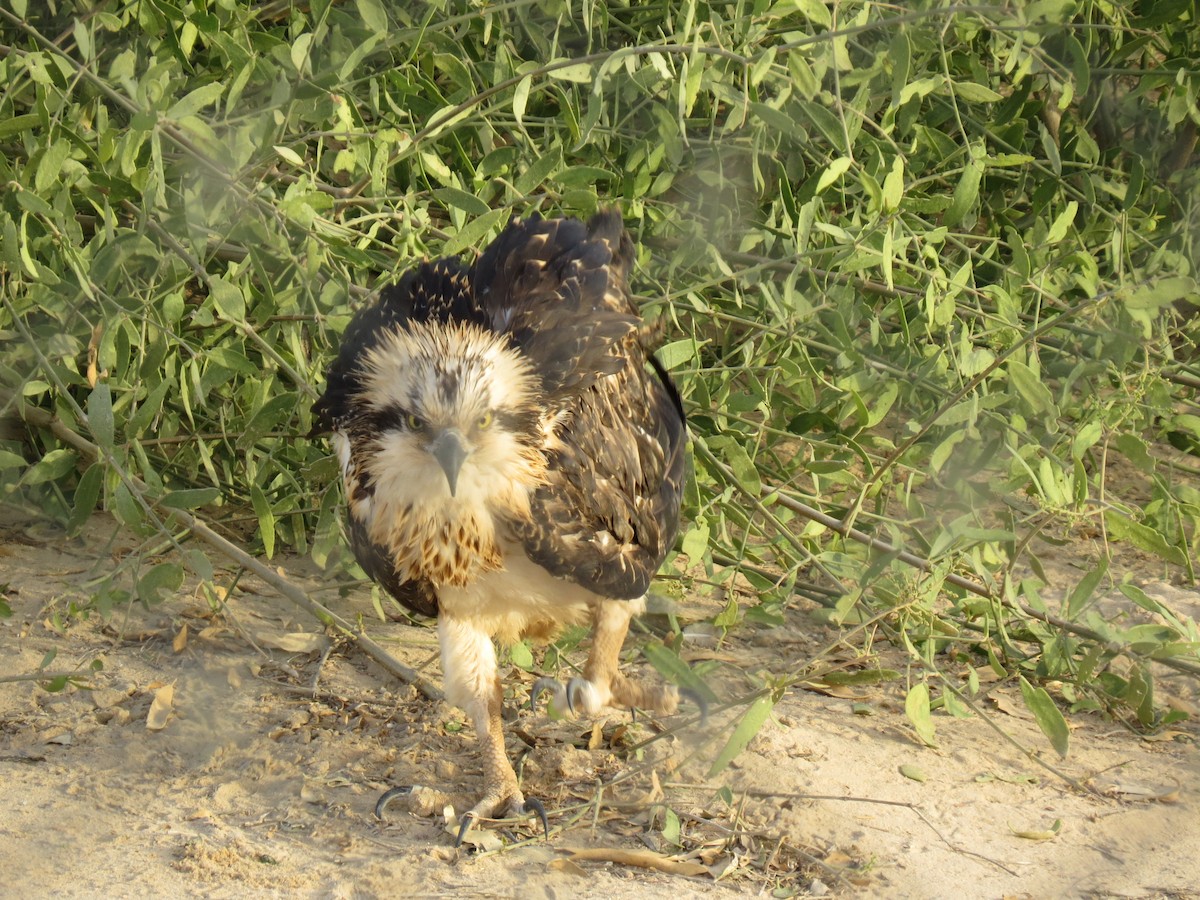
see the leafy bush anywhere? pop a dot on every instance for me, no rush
(926, 278)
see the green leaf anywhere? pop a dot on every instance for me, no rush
(545, 166)
(228, 299)
(893, 185)
(1083, 591)
(975, 93)
(916, 707)
(87, 495)
(51, 467)
(453, 198)
(192, 498)
(752, 721)
(521, 656)
(673, 355)
(127, 509)
(1062, 223)
(668, 664)
(100, 415)
(743, 467)
(1027, 385)
(290, 156)
(299, 52)
(1134, 449)
(695, 540)
(52, 162)
(266, 519)
(18, 124)
(966, 192)
(1122, 528)
(10, 460)
(1159, 293)
(195, 101)
(833, 172)
(474, 232)
(521, 98)
(671, 830)
(580, 73)
(373, 15)
(164, 578)
(1047, 715)
(913, 773)
(816, 12)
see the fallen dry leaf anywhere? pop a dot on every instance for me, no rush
(1168, 735)
(727, 865)
(294, 641)
(837, 691)
(908, 770)
(1016, 710)
(181, 639)
(564, 865)
(1129, 789)
(160, 709)
(1047, 835)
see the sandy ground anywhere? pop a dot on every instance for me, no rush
(239, 753)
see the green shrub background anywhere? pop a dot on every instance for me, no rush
(928, 272)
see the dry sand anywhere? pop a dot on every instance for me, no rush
(253, 785)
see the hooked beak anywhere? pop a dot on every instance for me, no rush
(447, 448)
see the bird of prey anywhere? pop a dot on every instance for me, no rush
(513, 460)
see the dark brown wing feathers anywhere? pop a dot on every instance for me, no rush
(547, 284)
(609, 510)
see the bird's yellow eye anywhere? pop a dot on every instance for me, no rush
(413, 422)
(485, 420)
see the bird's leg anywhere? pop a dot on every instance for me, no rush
(471, 681)
(602, 683)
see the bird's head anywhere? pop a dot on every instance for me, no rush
(455, 409)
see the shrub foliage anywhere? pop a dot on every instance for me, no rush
(926, 273)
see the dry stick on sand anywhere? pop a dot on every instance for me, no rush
(39, 418)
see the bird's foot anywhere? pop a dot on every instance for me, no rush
(579, 696)
(391, 794)
(496, 804)
(509, 804)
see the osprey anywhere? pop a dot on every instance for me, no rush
(513, 460)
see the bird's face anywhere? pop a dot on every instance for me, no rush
(455, 412)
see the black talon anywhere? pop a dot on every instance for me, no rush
(467, 819)
(389, 796)
(539, 686)
(700, 702)
(535, 806)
